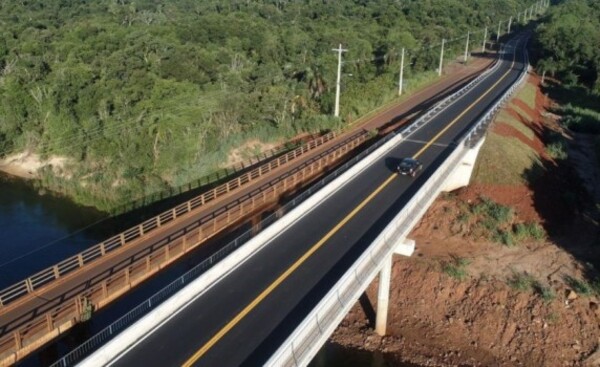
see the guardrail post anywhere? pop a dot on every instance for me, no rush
(141, 229)
(18, 340)
(148, 263)
(127, 275)
(167, 255)
(105, 287)
(56, 271)
(80, 260)
(28, 285)
(49, 323)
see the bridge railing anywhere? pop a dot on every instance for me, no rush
(43, 277)
(124, 277)
(109, 332)
(312, 333)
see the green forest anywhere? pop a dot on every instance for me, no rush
(568, 42)
(148, 94)
(567, 48)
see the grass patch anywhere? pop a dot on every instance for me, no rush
(525, 231)
(582, 287)
(496, 222)
(525, 282)
(522, 282)
(505, 117)
(527, 95)
(521, 112)
(503, 161)
(457, 268)
(546, 293)
(557, 150)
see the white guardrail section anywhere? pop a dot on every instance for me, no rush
(161, 314)
(312, 333)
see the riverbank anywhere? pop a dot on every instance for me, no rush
(504, 271)
(27, 165)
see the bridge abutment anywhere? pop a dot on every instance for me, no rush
(462, 173)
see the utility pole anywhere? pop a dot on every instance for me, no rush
(509, 24)
(441, 58)
(401, 81)
(467, 47)
(339, 50)
(498, 33)
(484, 40)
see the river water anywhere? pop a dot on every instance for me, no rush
(37, 231)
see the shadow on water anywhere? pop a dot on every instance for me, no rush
(336, 355)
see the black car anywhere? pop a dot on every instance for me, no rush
(409, 166)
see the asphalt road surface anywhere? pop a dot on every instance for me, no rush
(231, 324)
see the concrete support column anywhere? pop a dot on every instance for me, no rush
(383, 296)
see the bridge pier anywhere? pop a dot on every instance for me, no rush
(405, 248)
(461, 175)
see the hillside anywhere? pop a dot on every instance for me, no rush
(128, 98)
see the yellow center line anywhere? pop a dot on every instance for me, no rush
(284, 276)
(424, 148)
(231, 324)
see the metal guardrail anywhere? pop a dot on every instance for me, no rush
(44, 277)
(107, 333)
(128, 319)
(57, 319)
(304, 342)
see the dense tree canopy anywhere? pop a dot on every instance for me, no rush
(148, 94)
(569, 40)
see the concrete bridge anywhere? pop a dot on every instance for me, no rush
(276, 299)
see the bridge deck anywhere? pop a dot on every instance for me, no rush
(243, 318)
(35, 305)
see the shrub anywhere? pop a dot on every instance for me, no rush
(524, 231)
(557, 150)
(522, 281)
(457, 268)
(579, 286)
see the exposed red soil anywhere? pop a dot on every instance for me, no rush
(436, 320)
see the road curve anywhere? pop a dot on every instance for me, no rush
(235, 323)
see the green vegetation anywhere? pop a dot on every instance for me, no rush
(522, 281)
(526, 231)
(557, 150)
(582, 287)
(527, 95)
(496, 222)
(525, 282)
(145, 96)
(580, 119)
(568, 40)
(504, 160)
(457, 268)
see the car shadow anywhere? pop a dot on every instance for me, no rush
(392, 163)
